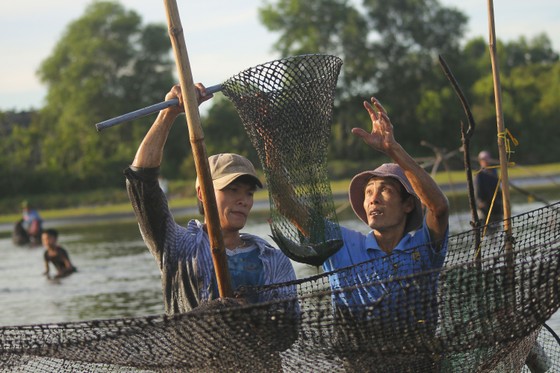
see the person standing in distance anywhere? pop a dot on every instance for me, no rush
(486, 185)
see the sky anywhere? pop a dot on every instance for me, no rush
(223, 37)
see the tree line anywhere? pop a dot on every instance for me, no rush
(108, 62)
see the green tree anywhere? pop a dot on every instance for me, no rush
(523, 52)
(526, 72)
(527, 76)
(224, 130)
(389, 49)
(20, 149)
(527, 94)
(105, 64)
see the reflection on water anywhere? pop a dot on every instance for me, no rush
(117, 276)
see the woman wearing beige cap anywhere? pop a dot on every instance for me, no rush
(183, 253)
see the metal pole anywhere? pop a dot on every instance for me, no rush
(147, 110)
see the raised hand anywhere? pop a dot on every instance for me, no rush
(175, 92)
(381, 137)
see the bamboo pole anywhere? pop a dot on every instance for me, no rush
(196, 137)
(499, 116)
(501, 142)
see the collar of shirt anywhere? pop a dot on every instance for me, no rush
(404, 243)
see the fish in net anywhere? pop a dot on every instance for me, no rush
(286, 109)
(486, 315)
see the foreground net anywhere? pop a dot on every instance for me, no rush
(286, 108)
(486, 316)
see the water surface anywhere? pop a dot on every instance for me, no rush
(117, 276)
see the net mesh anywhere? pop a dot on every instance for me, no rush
(483, 315)
(486, 316)
(286, 109)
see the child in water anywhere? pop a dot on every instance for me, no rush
(56, 255)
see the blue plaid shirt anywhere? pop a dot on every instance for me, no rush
(183, 253)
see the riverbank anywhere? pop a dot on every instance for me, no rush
(524, 187)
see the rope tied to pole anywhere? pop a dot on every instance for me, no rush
(508, 139)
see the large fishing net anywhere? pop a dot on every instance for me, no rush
(286, 109)
(486, 315)
(483, 311)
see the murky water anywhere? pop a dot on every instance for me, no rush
(117, 276)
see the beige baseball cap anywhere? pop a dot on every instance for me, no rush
(226, 167)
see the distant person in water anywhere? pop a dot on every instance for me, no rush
(31, 223)
(56, 255)
(486, 185)
(19, 234)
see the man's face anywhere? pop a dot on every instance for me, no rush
(484, 162)
(384, 205)
(235, 202)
